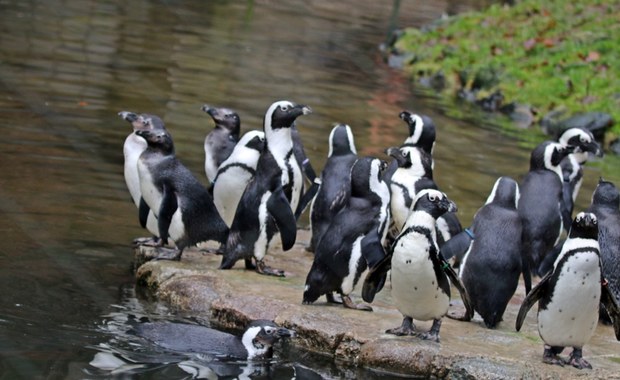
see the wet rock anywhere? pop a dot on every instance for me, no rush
(597, 122)
(614, 146)
(523, 115)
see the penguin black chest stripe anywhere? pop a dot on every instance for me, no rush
(241, 165)
(289, 169)
(405, 193)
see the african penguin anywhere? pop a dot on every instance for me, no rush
(568, 297)
(421, 131)
(354, 239)
(235, 172)
(333, 184)
(572, 165)
(267, 206)
(256, 342)
(420, 276)
(540, 205)
(132, 149)
(220, 142)
(185, 210)
(606, 206)
(491, 267)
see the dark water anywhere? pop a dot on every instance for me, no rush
(67, 222)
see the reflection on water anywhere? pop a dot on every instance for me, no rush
(67, 67)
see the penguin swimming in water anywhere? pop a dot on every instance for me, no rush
(420, 276)
(355, 237)
(572, 166)
(568, 297)
(132, 149)
(185, 210)
(606, 206)
(266, 208)
(235, 172)
(333, 184)
(491, 267)
(541, 204)
(220, 142)
(256, 343)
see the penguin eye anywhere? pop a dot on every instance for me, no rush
(270, 330)
(284, 108)
(432, 197)
(403, 154)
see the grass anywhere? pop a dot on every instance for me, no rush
(550, 55)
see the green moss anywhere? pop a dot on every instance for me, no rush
(546, 54)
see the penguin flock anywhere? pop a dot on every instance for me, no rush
(389, 219)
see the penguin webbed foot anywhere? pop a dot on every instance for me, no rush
(577, 361)
(551, 356)
(433, 333)
(406, 328)
(152, 241)
(349, 304)
(172, 254)
(261, 268)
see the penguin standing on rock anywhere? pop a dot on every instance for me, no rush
(132, 149)
(355, 237)
(606, 206)
(541, 204)
(235, 172)
(333, 184)
(256, 343)
(220, 142)
(266, 208)
(491, 267)
(185, 210)
(420, 276)
(568, 297)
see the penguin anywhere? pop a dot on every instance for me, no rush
(235, 172)
(568, 297)
(541, 204)
(256, 343)
(572, 166)
(220, 142)
(132, 149)
(333, 184)
(266, 208)
(185, 210)
(354, 239)
(420, 276)
(491, 267)
(606, 206)
(422, 131)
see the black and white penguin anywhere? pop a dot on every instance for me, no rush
(185, 210)
(541, 203)
(235, 172)
(422, 131)
(333, 184)
(491, 267)
(132, 149)
(606, 206)
(256, 343)
(354, 239)
(266, 208)
(572, 165)
(568, 297)
(220, 142)
(420, 277)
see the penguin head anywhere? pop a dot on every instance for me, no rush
(582, 140)
(253, 140)
(143, 121)
(341, 141)
(260, 336)
(224, 118)
(283, 113)
(367, 177)
(402, 156)
(159, 139)
(548, 155)
(606, 193)
(585, 226)
(421, 130)
(433, 202)
(505, 193)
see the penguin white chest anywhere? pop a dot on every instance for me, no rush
(228, 190)
(132, 149)
(152, 196)
(571, 316)
(415, 288)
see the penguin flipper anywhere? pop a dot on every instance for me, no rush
(375, 279)
(280, 209)
(458, 245)
(306, 199)
(167, 209)
(143, 212)
(612, 306)
(532, 297)
(454, 279)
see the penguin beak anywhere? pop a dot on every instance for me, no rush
(594, 148)
(128, 116)
(305, 110)
(405, 115)
(286, 333)
(397, 154)
(448, 205)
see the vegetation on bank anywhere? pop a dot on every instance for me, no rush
(552, 55)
